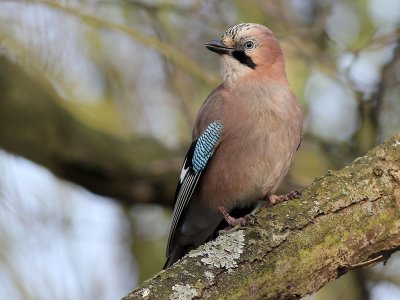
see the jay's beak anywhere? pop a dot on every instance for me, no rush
(218, 47)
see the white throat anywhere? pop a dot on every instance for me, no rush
(232, 70)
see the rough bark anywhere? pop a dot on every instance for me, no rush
(34, 125)
(346, 219)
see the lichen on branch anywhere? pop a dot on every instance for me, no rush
(346, 219)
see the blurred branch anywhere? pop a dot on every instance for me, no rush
(34, 126)
(380, 41)
(361, 284)
(370, 109)
(176, 56)
(346, 219)
(163, 6)
(183, 92)
(381, 277)
(188, 10)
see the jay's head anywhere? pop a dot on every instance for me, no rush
(247, 49)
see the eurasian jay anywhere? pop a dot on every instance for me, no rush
(244, 139)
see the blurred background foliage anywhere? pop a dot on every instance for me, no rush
(103, 94)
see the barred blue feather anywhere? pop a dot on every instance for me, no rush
(195, 162)
(205, 145)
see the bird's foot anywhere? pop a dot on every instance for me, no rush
(274, 199)
(246, 220)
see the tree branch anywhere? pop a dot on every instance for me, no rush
(346, 219)
(174, 55)
(33, 125)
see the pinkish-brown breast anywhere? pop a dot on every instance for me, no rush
(257, 146)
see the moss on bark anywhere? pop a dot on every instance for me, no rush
(344, 220)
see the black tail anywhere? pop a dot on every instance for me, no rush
(176, 254)
(180, 250)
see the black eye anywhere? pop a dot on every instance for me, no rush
(249, 45)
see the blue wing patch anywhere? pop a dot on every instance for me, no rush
(195, 162)
(205, 145)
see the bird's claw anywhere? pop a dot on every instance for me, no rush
(274, 199)
(293, 195)
(244, 221)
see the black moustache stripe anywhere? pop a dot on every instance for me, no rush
(243, 58)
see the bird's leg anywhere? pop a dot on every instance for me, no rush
(274, 199)
(246, 220)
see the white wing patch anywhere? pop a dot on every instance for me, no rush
(196, 160)
(183, 171)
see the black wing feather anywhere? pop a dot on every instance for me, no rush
(196, 161)
(184, 192)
